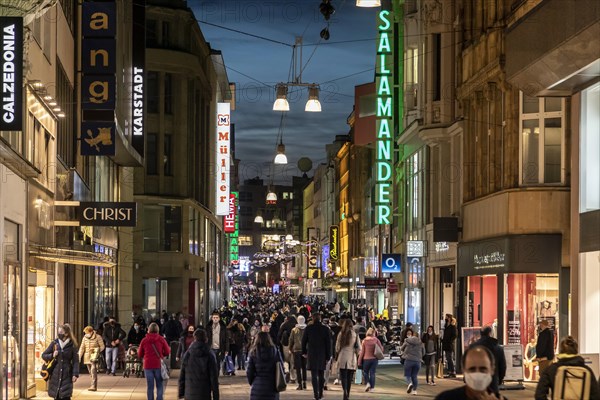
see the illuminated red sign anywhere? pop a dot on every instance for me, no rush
(229, 219)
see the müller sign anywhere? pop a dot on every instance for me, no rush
(107, 213)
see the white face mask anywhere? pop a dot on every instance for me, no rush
(478, 381)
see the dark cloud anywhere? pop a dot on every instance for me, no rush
(253, 62)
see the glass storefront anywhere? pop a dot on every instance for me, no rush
(103, 293)
(11, 339)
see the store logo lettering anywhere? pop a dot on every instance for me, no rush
(8, 72)
(138, 101)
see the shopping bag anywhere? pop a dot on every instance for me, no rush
(440, 369)
(358, 377)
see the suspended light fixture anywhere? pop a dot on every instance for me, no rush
(280, 158)
(368, 3)
(259, 219)
(289, 237)
(271, 197)
(281, 103)
(313, 104)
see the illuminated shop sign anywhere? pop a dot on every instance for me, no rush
(98, 83)
(384, 148)
(107, 213)
(138, 58)
(415, 248)
(11, 78)
(229, 220)
(223, 162)
(391, 263)
(334, 243)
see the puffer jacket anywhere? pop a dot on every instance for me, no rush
(199, 376)
(347, 356)
(60, 384)
(261, 374)
(90, 345)
(295, 343)
(412, 349)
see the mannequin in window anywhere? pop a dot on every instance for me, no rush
(529, 359)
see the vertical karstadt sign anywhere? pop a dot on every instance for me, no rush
(138, 58)
(11, 78)
(384, 147)
(223, 159)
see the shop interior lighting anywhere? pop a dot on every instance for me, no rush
(368, 3)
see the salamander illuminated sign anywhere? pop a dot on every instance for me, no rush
(384, 126)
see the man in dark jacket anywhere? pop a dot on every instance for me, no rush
(449, 344)
(199, 376)
(113, 335)
(136, 334)
(217, 337)
(172, 329)
(285, 330)
(491, 343)
(316, 346)
(544, 348)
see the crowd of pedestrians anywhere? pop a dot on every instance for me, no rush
(258, 331)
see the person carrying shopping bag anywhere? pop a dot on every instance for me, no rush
(368, 360)
(66, 370)
(151, 350)
(91, 347)
(347, 349)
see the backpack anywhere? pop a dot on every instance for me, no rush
(572, 383)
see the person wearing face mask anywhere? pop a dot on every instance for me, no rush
(478, 365)
(491, 344)
(66, 371)
(135, 335)
(185, 341)
(432, 350)
(91, 346)
(113, 335)
(412, 351)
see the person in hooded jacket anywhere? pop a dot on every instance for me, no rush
(261, 368)
(91, 346)
(491, 343)
(413, 351)
(66, 371)
(295, 346)
(113, 335)
(285, 331)
(199, 376)
(151, 350)
(568, 356)
(136, 334)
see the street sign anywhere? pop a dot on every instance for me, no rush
(375, 283)
(391, 263)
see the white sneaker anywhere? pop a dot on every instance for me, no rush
(371, 390)
(414, 392)
(336, 382)
(367, 387)
(409, 388)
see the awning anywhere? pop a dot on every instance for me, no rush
(69, 256)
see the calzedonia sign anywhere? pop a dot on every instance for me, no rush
(107, 213)
(11, 78)
(384, 147)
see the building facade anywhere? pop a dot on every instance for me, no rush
(180, 250)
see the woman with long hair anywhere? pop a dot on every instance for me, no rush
(66, 370)
(432, 350)
(347, 348)
(185, 341)
(368, 360)
(261, 368)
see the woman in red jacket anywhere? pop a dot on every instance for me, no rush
(152, 349)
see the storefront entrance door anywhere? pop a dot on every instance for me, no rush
(11, 338)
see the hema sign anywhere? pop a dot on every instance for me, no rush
(11, 78)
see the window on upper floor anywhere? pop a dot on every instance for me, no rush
(153, 98)
(589, 162)
(542, 133)
(168, 155)
(166, 34)
(151, 154)
(151, 33)
(168, 93)
(162, 228)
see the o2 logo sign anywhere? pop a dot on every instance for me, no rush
(391, 263)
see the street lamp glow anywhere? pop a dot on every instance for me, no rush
(281, 104)
(368, 3)
(313, 104)
(280, 158)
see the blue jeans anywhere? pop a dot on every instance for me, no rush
(112, 354)
(411, 372)
(153, 375)
(369, 369)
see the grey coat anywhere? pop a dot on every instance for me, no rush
(347, 356)
(412, 349)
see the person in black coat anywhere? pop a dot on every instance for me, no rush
(261, 368)
(316, 346)
(199, 376)
(449, 344)
(66, 372)
(491, 343)
(219, 345)
(136, 334)
(544, 349)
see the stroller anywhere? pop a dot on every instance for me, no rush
(133, 364)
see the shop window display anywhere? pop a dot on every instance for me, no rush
(530, 298)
